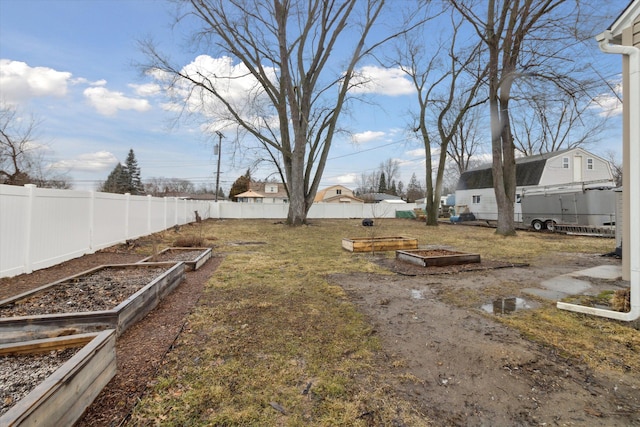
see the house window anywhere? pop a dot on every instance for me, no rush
(338, 191)
(475, 200)
(565, 163)
(271, 189)
(258, 200)
(518, 198)
(590, 164)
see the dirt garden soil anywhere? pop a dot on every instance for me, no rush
(468, 369)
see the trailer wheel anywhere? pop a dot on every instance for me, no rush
(537, 225)
(550, 225)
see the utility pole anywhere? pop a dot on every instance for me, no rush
(219, 147)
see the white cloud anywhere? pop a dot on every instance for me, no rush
(19, 81)
(148, 89)
(418, 152)
(109, 103)
(349, 178)
(608, 103)
(367, 136)
(89, 162)
(382, 81)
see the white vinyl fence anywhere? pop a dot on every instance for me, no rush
(41, 227)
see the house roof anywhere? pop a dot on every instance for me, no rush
(339, 198)
(259, 187)
(379, 197)
(528, 172)
(626, 18)
(321, 194)
(249, 193)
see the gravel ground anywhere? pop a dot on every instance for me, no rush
(102, 290)
(22, 373)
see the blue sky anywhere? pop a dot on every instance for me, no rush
(71, 64)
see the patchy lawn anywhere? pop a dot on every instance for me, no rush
(294, 330)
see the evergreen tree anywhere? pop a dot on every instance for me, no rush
(392, 189)
(382, 185)
(134, 182)
(240, 185)
(124, 178)
(116, 181)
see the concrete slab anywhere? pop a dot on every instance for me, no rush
(607, 272)
(545, 293)
(566, 284)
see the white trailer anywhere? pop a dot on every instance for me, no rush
(548, 209)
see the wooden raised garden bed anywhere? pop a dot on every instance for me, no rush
(64, 395)
(436, 257)
(194, 258)
(374, 244)
(48, 312)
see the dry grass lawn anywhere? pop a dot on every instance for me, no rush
(271, 342)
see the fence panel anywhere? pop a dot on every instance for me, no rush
(109, 220)
(138, 218)
(60, 226)
(14, 230)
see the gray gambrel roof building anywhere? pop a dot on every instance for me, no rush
(557, 167)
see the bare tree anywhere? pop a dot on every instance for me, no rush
(528, 41)
(391, 169)
(16, 146)
(551, 123)
(22, 160)
(444, 89)
(288, 51)
(160, 186)
(467, 140)
(616, 166)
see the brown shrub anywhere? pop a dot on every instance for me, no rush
(621, 300)
(189, 242)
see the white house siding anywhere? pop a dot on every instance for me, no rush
(487, 209)
(577, 171)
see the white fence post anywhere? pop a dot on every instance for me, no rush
(29, 227)
(92, 219)
(126, 216)
(149, 199)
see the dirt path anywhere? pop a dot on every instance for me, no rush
(471, 370)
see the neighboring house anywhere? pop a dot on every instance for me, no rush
(264, 192)
(249, 196)
(569, 168)
(336, 194)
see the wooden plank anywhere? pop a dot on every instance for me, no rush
(63, 396)
(369, 244)
(24, 328)
(452, 258)
(46, 345)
